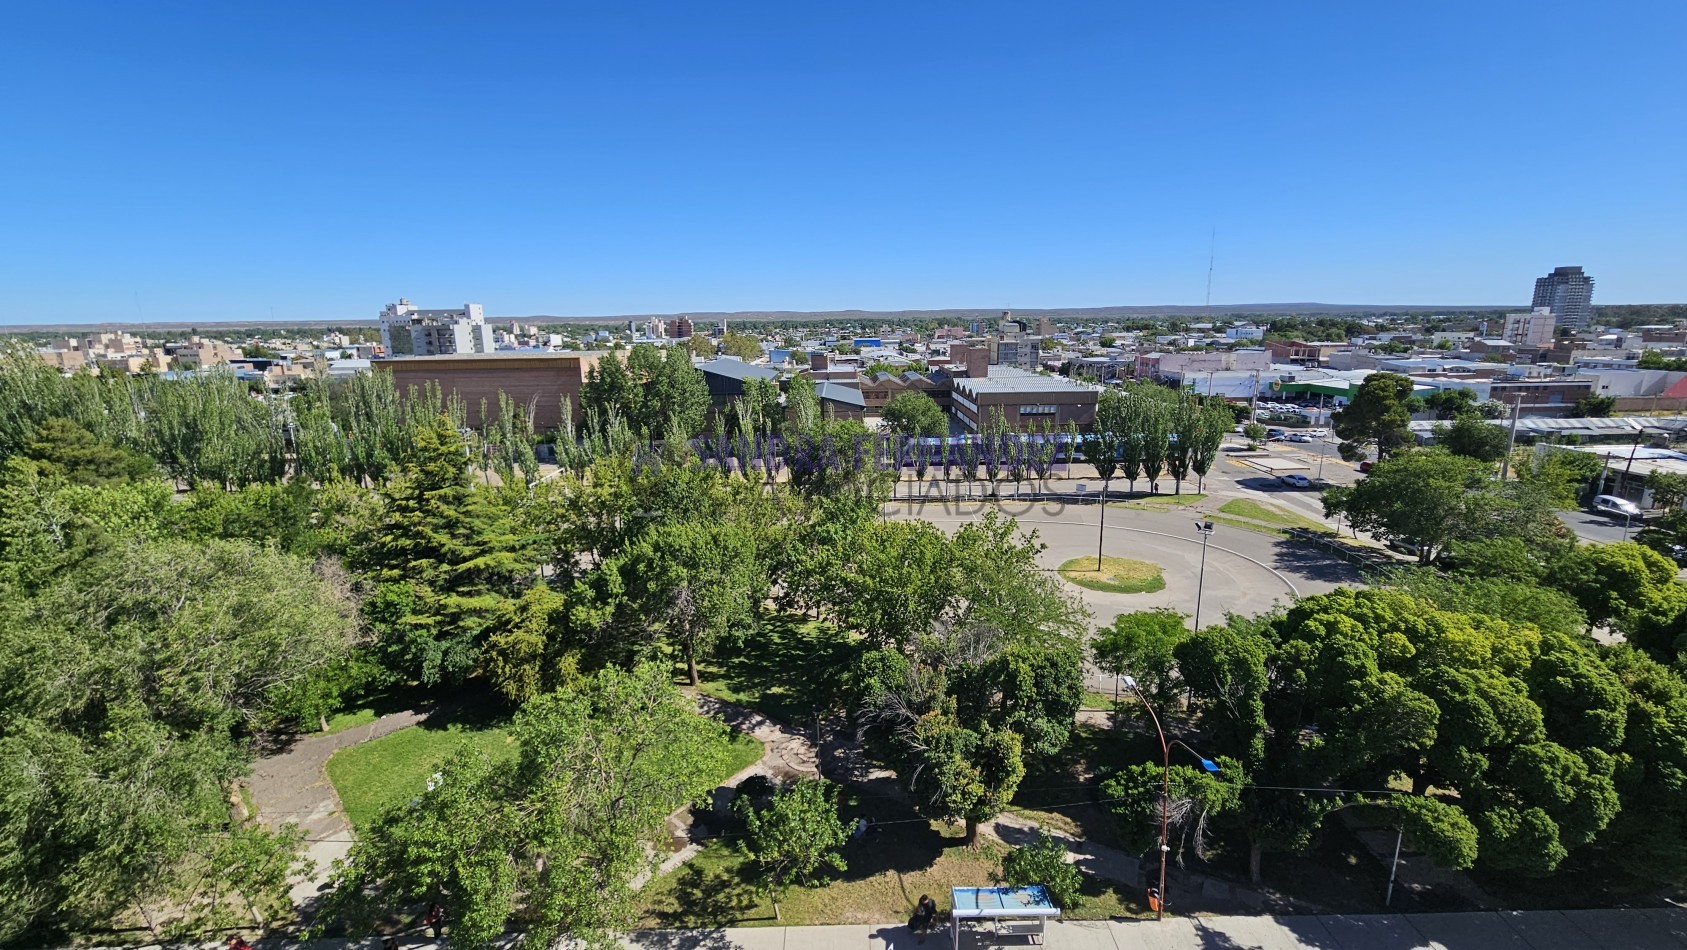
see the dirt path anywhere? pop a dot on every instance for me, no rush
(293, 786)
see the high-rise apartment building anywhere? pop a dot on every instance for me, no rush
(1531, 329)
(1569, 294)
(407, 331)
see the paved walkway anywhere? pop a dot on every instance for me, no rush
(292, 786)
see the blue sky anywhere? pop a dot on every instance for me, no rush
(165, 160)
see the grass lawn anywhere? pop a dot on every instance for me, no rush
(1270, 514)
(782, 671)
(746, 751)
(888, 871)
(1254, 526)
(1118, 575)
(393, 769)
(1187, 498)
(367, 709)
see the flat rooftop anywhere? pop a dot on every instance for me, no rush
(494, 355)
(1009, 379)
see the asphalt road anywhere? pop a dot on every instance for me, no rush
(1246, 572)
(1601, 528)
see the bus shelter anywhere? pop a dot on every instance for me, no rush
(1004, 911)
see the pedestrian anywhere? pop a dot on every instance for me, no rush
(389, 943)
(925, 914)
(238, 942)
(435, 920)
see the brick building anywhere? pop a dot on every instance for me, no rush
(541, 380)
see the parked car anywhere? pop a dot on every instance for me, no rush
(1405, 546)
(1296, 480)
(1273, 434)
(1615, 507)
(1297, 437)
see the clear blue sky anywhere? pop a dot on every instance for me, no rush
(217, 160)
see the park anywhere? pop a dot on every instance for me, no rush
(651, 690)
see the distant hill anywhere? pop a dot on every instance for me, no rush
(1629, 313)
(1057, 313)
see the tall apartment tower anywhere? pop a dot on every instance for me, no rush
(408, 331)
(1569, 294)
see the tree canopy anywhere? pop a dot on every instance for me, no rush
(1431, 498)
(1377, 417)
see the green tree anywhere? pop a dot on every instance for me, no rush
(1216, 421)
(1431, 497)
(1034, 691)
(1000, 585)
(1668, 488)
(1377, 416)
(1185, 424)
(745, 346)
(1651, 830)
(1043, 862)
(445, 558)
(1374, 686)
(1518, 600)
(697, 583)
(1593, 406)
(915, 414)
(63, 449)
(900, 583)
(553, 838)
(797, 834)
(676, 394)
(1153, 420)
(1451, 403)
(1254, 433)
(1142, 644)
(802, 405)
(956, 773)
(1609, 580)
(611, 392)
(1133, 794)
(128, 693)
(1472, 437)
(1564, 475)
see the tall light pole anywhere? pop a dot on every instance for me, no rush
(1165, 789)
(1511, 439)
(1205, 530)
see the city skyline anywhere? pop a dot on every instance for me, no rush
(241, 164)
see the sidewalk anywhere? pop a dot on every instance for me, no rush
(1626, 929)
(1639, 929)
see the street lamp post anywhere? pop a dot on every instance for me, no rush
(1165, 788)
(1205, 530)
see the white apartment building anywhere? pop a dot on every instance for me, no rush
(407, 331)
(1534, 328)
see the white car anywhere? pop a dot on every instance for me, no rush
(1297, 437)
(1296, 480)
(1616, 507)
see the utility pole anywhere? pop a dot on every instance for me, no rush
(1511, 440)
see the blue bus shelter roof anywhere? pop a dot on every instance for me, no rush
(1029, 901)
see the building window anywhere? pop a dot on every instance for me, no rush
(1036, 410)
